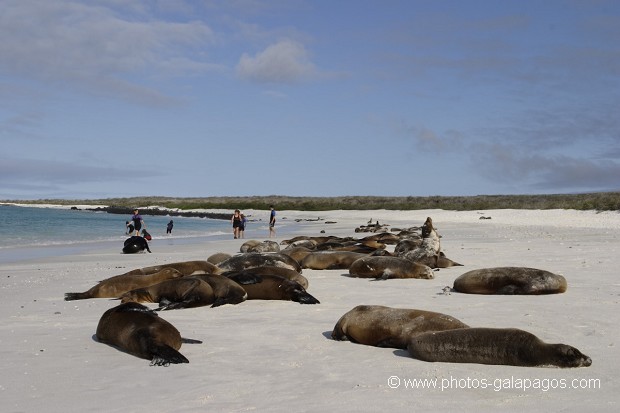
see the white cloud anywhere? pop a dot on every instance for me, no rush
(94, 48)
(284, 62)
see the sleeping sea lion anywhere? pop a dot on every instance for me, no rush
(255, 259)
(330, 260)
(272, 287)
(189, 292)
(184, 267)
(380, 326)
(509, 346)
(388, 268)
(114, 287)
(135, 329)
(510, 280)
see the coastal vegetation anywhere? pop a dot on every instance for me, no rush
(599, 201)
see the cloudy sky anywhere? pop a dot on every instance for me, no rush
(107, 98)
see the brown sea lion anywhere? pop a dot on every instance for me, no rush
(510, 280)
(306, 243)
(279, 271)
(260, 246)
(255, 259)
(139, 331)
(114, 287)
(330, 260)
(188, 292)
(434, 261)
(509, 346)
(376, 325)
(383, 237)
(297, 253)
(184, 267)
(218, 257)
(388, 268)
(272, 287)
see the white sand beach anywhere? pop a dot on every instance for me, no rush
(278, 356)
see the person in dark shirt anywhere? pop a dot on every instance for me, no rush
(137, 221)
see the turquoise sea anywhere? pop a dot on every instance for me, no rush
(34, 232)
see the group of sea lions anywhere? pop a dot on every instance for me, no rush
(264, 271)
(427, 335)
(436, 337)
(138, 330)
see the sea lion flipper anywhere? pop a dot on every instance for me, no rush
(165, 355)
(190, 341)
(303, 297)
(75, 296)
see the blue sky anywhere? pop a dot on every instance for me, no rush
(116, 98)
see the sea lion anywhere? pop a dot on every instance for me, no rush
(429, 247)
(114, 287)
(279, 271)
(255, 259)
(330, 260)
(135, 244)
(306, 243)
(380, 326)
(509, 346)
(139, 331)
(388, 268)
(189, 292)
(260, 246)
(383, 237)
(315, 240)
(297, 253)
(185, 267)
(218, 257)
(272, 287)
(434, 261)
(510, 280)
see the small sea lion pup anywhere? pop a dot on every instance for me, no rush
(139, 331)
(508, 346)
(379, 326)
(389, 267)
(510, 280)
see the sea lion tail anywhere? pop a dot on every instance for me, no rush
(164, 355)
(76, 296)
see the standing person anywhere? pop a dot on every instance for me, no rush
(137, 221)
(169, 227)
(242, 227)
(236, 223)
(272, 222)
(128, 227)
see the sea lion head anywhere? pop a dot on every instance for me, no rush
(568, 356)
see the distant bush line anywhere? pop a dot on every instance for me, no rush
(600, 201)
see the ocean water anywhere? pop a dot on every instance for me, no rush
(34, 232)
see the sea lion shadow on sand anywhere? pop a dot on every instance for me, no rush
(401, 353)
